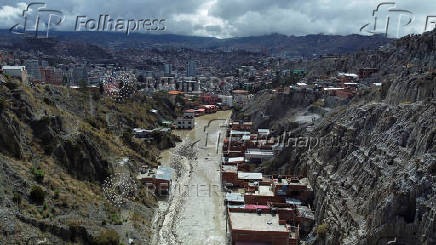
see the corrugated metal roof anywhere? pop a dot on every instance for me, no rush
(263, 131)
(234, 197)
(165, 173)
(249, 176)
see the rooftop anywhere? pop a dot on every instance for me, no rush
(249, 176)
(230, 168)
(263, 131)
(235, 197)
(235, 132)
(240, 91)
(235, 159)
(259, 152)
(255, 222)
(161, 172)
(265, 190)
(22, 68)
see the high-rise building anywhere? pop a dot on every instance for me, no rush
(32, 68)
(168, 69)
(51, 75)
(44, 63)
(191, 69)
(80, 73)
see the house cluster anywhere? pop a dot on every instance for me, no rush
(343, 85)
(270, 209)
(255, 146)
(198, 105)
(187, 121)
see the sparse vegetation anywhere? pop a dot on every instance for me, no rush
(107, 237)
(3, 104)
(322, 230)
(38, 174)
(17, 198)
(37, 194)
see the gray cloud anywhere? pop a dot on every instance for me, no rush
(230, 18)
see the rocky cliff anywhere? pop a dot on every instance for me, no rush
(58, 146)
(372, 162)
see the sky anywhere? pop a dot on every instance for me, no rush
(240, 18)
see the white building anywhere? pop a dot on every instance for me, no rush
(185, 123)
(226, 100)
(16, 71)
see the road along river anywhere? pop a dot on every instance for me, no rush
(194, 213)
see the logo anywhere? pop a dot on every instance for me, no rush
(38, 20)
(388, 15)
(430, 23)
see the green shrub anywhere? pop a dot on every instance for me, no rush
(38, 174)
(11, 86)
(37, 194)
(322, 230)
(56, 194)
(115, 219)
(17, 198)
(107, 237)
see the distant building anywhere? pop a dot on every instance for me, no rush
(44, 63)
(187, 121)
(240, 97)
(366, 72)
(226, 100)
(80, 73)
(191, 69)
(32, 67)
(51, 75)
(191, 86)
(168, 69)
(16, 71)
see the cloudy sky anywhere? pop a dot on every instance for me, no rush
(236, 18)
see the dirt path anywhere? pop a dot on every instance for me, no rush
(194, 213)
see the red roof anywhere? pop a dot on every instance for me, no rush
(254, 206)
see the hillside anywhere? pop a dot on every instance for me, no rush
(72, 43)
(57, 148)
(372, 162)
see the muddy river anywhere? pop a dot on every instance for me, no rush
(194, 213)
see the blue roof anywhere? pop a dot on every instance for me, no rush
(165, 173)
